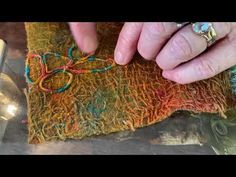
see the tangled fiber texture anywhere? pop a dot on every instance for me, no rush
(116, 99)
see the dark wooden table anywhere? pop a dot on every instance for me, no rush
(180, 134)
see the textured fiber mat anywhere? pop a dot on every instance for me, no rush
(72, 95)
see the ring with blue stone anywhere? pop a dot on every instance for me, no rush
(206, 30)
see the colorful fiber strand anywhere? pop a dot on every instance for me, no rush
(123, 98)
(68, 69)
(233, 79)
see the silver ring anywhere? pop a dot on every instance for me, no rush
(206, 30)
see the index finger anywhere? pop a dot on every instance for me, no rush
(85, 35)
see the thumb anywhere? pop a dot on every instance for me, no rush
(85, 35)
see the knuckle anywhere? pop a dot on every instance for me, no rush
(125, 40)
(158, 29)
(128, 31)
(227, 27)
(182, 46)
(206, 68)
(222, 29)
(231, 39)
(134, 24)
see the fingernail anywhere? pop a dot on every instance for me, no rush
(119, 57)
(89, 44)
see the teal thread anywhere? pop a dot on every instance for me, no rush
(27, 74)
(233, 79)
(91, 58)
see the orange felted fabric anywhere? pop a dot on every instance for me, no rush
(104, 101)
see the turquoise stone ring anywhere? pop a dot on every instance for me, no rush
(206, 30)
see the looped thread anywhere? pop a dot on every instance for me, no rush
(68, 69)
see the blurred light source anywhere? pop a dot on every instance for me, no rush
(12, 109)
(9, 92)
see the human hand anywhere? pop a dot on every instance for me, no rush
(178, 51)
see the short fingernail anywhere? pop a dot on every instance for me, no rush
(89, 44)
(119, 58)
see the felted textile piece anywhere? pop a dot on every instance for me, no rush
(115, 99)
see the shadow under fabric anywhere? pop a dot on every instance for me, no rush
(117, 98)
